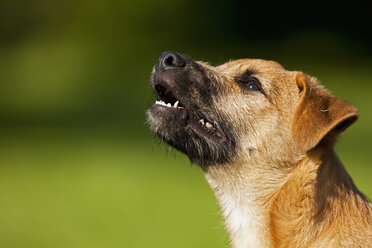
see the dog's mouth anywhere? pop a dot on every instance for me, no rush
(192, 118)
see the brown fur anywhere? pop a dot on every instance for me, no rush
(285, 186)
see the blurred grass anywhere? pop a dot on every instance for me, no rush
(76, 188)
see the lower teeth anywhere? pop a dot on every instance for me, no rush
(208, 125)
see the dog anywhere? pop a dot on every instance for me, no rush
(264, 137)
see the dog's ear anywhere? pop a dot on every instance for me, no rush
(318, 114)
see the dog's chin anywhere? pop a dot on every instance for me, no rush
(167, 122)
(189, 133)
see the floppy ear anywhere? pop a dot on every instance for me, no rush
(318, 114)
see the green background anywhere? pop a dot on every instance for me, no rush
(78, 166)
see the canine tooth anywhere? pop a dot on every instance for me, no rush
(208, 125)
(176, 104)
(202, 122)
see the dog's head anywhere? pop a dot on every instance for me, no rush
(243, 109)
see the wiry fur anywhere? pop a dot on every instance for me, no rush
(277, 179)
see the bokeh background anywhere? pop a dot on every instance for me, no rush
(78, 166)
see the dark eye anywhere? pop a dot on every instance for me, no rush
(252, 85)
(248, 82)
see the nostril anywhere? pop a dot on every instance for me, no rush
(169, 60)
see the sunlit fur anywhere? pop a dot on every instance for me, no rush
(283, 185)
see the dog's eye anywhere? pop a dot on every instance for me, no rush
(252, 85)
(248, 82)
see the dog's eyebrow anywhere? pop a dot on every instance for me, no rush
(244, 77)
(247, 74)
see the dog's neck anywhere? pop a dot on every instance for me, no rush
(245, 195)
(267, 207)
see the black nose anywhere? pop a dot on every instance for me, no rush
(169, 60)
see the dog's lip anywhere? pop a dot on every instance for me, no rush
(205, 128)
(186, 115)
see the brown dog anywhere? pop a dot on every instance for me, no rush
(264, 137)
